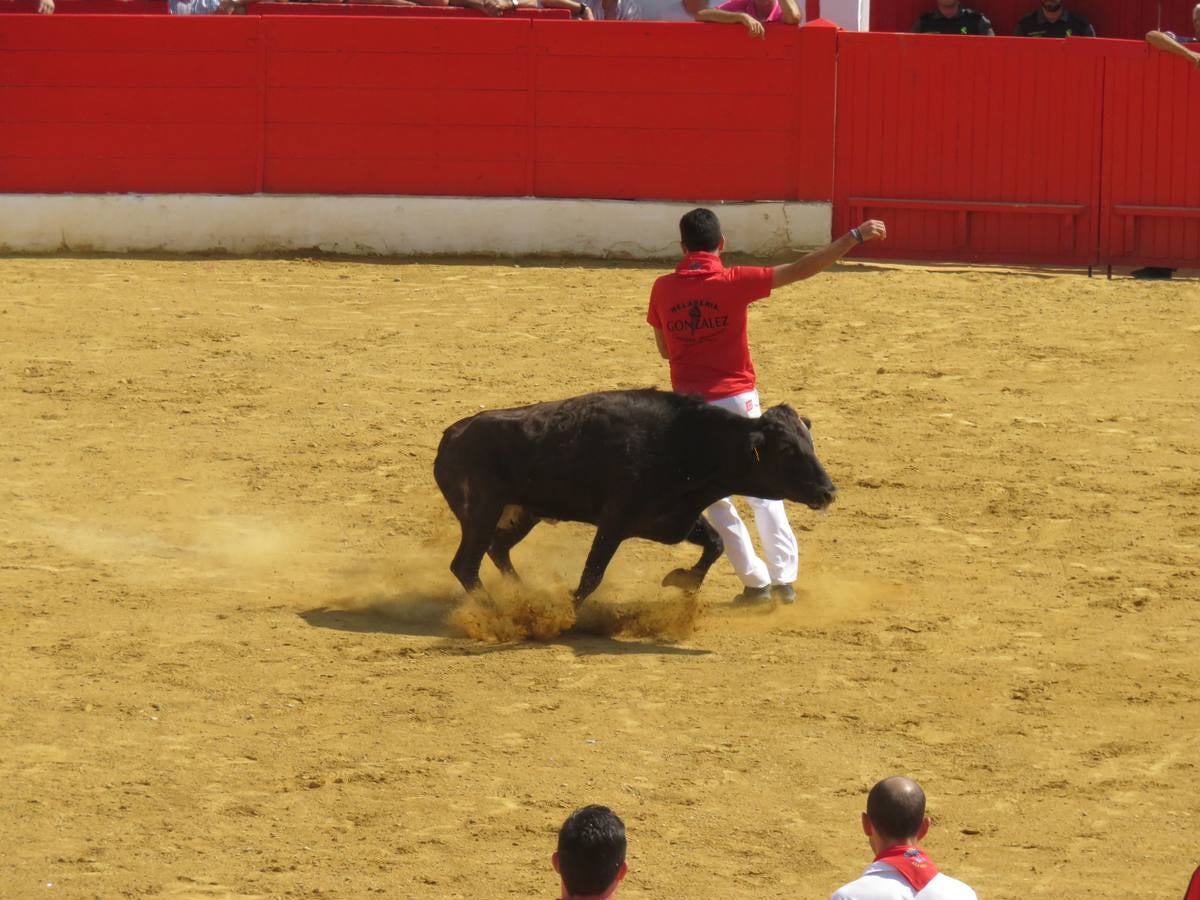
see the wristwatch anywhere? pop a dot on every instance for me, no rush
(857, 235)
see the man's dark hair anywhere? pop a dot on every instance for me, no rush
(700, 230)
(591, 848)
(896, 807)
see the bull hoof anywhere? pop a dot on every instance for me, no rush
(684, 579)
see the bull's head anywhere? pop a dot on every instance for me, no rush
(783, 464)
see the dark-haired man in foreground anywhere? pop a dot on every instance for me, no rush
(894, 822)
(590, 858)
(698, 313)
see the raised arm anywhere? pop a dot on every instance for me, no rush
(1160, 41)
(574, 7)
(726, 17)
(789, 12)
(820, 260)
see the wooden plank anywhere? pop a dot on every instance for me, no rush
(395, 143)
(101, 68)
(354, 175)
(347, 68)
(398, 106)
(145, 105)
(92, 142)
(216, 175)
(111, 35)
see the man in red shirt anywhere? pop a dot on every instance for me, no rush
(698, 313)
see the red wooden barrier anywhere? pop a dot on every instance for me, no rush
(136, 103)
(970, 149)
(421, 106)
(686, 113)
(1111, 18)
(1151, 177)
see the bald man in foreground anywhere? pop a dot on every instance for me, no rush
(894, 822)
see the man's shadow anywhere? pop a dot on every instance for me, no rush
(418, 614)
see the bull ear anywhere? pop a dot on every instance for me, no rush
(807, 422)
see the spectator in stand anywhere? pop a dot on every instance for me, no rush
(590, 858)
(377, 2)
(659, 10)
(1170, 42)
(578, 9)
(1052, 19)
(951, 17)
(205, 7)
(752, 14)
(894, 822)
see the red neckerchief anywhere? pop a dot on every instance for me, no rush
(911, 862)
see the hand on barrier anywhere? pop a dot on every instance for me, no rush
(46, 7)
(753, 26)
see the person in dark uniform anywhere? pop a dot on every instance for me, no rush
(951, 17)
(1051, 19)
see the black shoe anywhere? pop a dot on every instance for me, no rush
(784, 593)
(753, 595)
(1153, 273)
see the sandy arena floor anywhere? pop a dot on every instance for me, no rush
(231, 665)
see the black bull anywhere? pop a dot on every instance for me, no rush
(641, 464)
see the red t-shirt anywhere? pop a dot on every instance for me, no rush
(701, 310)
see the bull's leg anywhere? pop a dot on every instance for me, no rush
(712, 547)
(604, 545)
(515, 524)
(477, 530)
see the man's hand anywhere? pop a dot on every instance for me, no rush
(820, 260)
(873, 230)
(46, 7)
(753, 26)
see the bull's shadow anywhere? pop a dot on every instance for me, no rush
(418, 614)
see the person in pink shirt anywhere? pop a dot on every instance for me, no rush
(752, 14)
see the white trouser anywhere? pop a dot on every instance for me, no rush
(770, 519)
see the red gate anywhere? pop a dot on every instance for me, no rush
(973, 150)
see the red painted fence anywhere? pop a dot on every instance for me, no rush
(1151, 173)
(1077, 152)
(1047, 151)
(506, 107)
(960, 146)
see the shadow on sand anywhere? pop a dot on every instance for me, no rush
(418, 614)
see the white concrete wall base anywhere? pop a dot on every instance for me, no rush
(393, 226)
